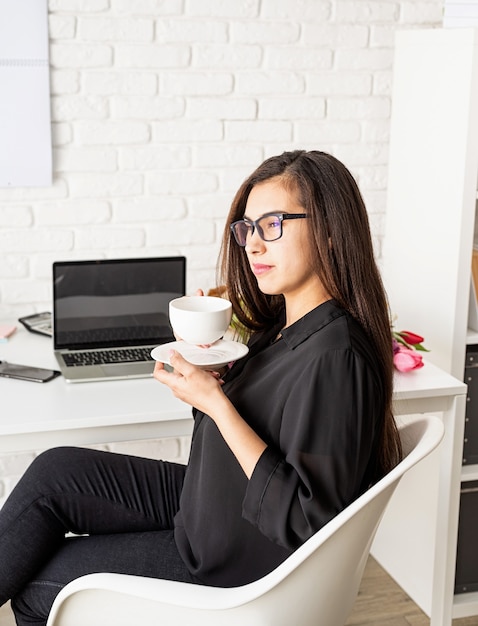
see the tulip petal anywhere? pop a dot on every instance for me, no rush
(411, 338)
(406, 360)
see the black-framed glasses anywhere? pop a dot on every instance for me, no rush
(269, 226)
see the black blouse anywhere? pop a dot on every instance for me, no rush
(315, 396)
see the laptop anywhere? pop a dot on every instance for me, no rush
(109, 314)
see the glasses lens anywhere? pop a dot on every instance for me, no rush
(240, 231)
(270, 227)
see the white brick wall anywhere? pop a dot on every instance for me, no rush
(161, 107)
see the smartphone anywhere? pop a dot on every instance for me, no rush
(40, 323)
(27, 372)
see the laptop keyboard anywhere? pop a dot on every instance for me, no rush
(107, 357)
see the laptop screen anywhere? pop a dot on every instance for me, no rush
(119, 302)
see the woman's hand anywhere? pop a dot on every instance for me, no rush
(191, 384)
(202, 389)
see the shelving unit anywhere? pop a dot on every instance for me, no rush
(471, 337)
(432, 199)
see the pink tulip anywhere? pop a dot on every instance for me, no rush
(406, 360)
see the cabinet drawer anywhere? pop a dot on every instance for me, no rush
(466, 576)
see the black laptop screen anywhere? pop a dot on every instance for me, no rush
(121, 302)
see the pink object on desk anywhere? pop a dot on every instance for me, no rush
(6, 331)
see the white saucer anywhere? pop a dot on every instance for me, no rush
(219, 354)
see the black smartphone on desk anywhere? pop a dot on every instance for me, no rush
(27, 372)
(40, 323)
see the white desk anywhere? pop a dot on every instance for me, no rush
(416, 542)
(41, 415)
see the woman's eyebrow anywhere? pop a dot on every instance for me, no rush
(244, 217)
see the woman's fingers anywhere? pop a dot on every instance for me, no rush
(179, 363)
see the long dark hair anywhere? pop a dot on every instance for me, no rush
(342, 257)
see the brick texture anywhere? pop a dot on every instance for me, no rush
(160, 108)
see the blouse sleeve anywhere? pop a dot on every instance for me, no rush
(326, 439)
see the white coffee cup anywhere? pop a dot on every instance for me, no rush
(200, 320)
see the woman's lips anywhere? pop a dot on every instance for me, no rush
(260, 268)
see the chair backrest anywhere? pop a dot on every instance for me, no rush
(323, 576)
(316, 586)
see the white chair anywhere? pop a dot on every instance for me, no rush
(316, 586)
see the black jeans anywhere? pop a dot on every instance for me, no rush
(120, 507)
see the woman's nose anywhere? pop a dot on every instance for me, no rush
(254, 242)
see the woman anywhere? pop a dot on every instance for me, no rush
(287, 438)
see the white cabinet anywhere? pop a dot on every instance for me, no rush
(432, 197)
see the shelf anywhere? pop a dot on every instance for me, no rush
(469, 472)
(471, 337)
(439, 163)
(465, 605)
